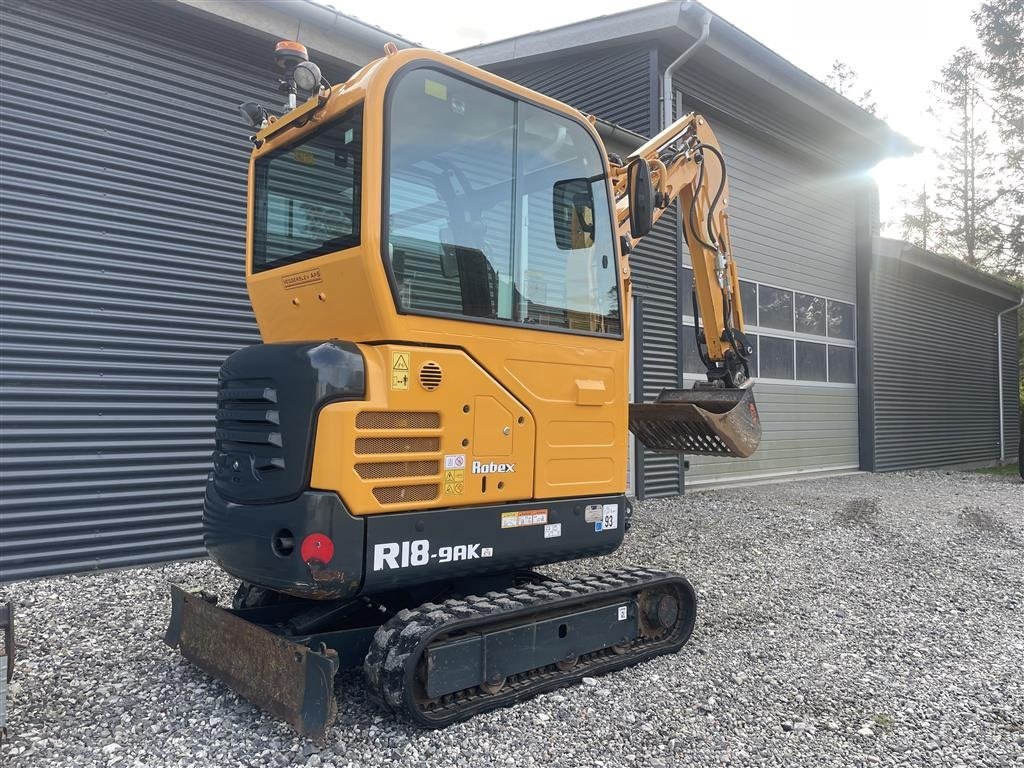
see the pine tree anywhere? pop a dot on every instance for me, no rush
(919, 222)
(845, 81)
(965, 194)
(1000, 28)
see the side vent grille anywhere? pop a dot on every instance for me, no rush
(367, 445)
(398, 420)
(386, 439)
(430, 376)
(402, 494)
(379, 470)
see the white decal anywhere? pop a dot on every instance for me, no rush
(622, 613)
(593, 513)
(552, 531)
(523, 518)
(405, 554)
(611, 517)
(491, 468)
(385, 554)
(455, 461)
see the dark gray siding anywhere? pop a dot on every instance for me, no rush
(655, 269)
(1011, 383)
(707, 89)
(123, 189)
(936, 399)
(614, 85)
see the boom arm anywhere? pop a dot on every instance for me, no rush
(686, 163)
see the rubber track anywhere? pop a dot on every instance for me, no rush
(390, 664)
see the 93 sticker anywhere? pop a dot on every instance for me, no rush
(609, 518)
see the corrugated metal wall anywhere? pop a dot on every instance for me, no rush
(655, 268)
(706, 84)
(1011, 382)
(935, 391)
(614, 84)
(123, 187)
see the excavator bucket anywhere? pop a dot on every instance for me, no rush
(704, 422)
(287, 679)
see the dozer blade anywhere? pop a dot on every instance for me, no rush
(705, 422)
(288, 680)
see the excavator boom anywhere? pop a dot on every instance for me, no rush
(719, 417)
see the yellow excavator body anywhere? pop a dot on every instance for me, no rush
(438, 261)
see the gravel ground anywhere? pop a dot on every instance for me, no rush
(870, 619)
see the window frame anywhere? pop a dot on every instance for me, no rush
(357, 110)
(686, 318)
(385, 183)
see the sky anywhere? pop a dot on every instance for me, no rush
(897, 47)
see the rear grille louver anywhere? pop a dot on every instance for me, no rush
(249, 424)
(393, 444)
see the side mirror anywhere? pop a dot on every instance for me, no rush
(640, 192)
(572, 204)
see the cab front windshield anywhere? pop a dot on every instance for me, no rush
(473, 184)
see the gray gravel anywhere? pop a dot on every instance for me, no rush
(852, 621)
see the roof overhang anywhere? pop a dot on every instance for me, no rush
(346, 39)
(731, 54)
(900, 252)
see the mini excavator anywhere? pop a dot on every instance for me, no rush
(438, 261)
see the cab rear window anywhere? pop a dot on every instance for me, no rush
(307, 196)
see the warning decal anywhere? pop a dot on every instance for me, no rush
(399, 370)
(525, 517)
(454, 488)
(454, 474)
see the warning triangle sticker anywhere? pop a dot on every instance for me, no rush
(401, 362)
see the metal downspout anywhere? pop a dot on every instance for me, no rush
(666, 80)
(999, 377)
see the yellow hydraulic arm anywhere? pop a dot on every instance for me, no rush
(685, 162)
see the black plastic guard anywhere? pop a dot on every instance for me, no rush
(287, 679)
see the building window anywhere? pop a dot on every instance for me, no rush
(811, 361)
(774, 308)
(748, 297)
(842, 364)
(810, 314)
(840, 320)
(776, 357)
(796, 337)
